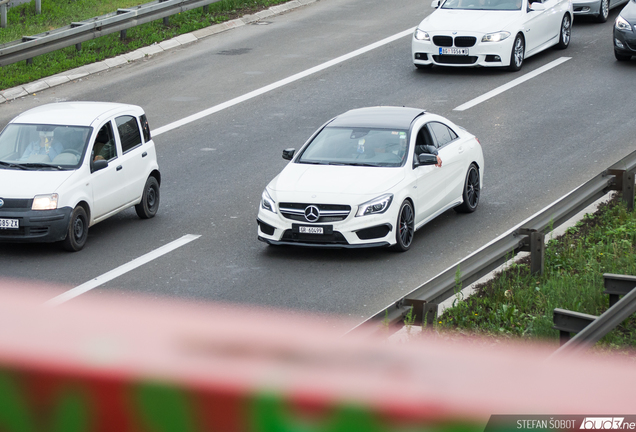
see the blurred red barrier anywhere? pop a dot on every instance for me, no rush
(106, 362)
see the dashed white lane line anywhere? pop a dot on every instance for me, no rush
(511, 84)
(106, 277)
(280, 83)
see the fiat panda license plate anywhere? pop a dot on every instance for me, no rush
(9, 224)
(453, 51)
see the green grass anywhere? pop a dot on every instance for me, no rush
(23, 21)
(517, 305)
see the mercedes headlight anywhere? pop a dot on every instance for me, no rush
(375, 206)
(45, 202)
(421, 35)
(495, 37)
(267, 202)
(622, 24)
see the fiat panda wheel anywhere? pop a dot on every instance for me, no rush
(149, 204)
(77, 232)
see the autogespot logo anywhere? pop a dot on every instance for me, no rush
(312, 214)
(602, 423)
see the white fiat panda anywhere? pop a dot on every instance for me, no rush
(66, 166)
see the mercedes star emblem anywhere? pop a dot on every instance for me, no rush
(312, 214)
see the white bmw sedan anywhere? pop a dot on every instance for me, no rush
(371, 177)
(490, 33)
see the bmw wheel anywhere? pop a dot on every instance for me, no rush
(517, 54)
(566, 31)
(405, 227)
(77, 232)
(603, 11)
(471, 193)
(149, 204)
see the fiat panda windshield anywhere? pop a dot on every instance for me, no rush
(357, 146)
(28, 146)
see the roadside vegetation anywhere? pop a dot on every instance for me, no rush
(23, 21)
(516, 305)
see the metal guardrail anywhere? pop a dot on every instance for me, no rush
(529, 235)
(82, 31)
(590, 328)
(601, 326)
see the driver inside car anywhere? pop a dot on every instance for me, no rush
(45, 145)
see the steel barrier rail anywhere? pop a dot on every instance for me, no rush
(601, 326)
(78, 32)
(422, 301)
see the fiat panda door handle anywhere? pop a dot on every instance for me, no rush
(119, 168)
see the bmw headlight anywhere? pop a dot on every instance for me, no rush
(267, 202)
(375, 206)
(622, 24)
(495, 37)
(421, 35)
(45, 202)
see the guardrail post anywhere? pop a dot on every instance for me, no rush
(567, 322)
(38, 7)
(3, 15)
(122, 34)
(206, 9)
(617, 285)
(624, 183)
(430, 313)
(534, 242)
(166, 20)
(29, 61)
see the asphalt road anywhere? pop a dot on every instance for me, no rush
(541, 139)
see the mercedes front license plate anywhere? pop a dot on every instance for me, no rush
(311, 230)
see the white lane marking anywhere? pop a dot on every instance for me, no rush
(106, 277)
(511, 84)
(280, 83)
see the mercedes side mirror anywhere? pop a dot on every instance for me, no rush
(288, 154)
(426, 159)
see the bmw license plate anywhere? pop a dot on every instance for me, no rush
(311, 230)
(453, 51)
(9, 224)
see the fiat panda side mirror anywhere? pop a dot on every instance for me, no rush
(288, 154)
(435, 3)
(98, 165)
(426, 159)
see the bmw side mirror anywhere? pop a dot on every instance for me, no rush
(426, 159)
(288, 154)
(536, 6)
(98, 165)
(435, 4)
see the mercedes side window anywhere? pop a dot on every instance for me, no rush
(442, 133)
(129, 135)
